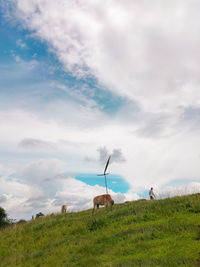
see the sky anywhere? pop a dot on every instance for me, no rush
(81, 80)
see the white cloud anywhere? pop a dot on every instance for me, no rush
(170, 191)
(130, 46)
(21, 44)
(149, 161)
(41, 170)
(116, 155)
(14, 193)
(32, 143)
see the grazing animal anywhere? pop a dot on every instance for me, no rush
(40, 214)
(64, 209)
(22, 221)
(103, 200)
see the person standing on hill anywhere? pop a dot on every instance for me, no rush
(151, 194)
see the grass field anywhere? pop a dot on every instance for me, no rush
(139, 233)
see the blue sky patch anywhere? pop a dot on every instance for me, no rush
(115, 182)
(31, 64)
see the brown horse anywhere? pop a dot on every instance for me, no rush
(64, 209)
(104, 200)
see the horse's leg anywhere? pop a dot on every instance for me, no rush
(93, 208)
(106, 205)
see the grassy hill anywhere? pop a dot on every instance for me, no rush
(139, 233)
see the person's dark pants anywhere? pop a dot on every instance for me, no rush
(151, 197)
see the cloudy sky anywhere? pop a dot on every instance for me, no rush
(81, 80)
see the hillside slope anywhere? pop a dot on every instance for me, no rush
(140, 233)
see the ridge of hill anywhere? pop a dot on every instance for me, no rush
(138, 233)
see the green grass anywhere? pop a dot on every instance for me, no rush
(139, 233)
